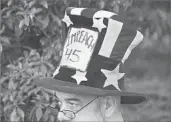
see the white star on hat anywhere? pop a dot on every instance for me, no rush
(80, 76)
(98, 23)
(67, 20)
(113, 77)
(56, 71)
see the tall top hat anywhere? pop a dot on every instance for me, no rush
(97, 43)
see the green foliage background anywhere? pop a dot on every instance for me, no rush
(30, 48)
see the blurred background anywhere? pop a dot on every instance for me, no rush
(30, 48)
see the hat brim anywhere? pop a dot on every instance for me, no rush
(68, 87)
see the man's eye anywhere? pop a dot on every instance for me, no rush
(73, 104)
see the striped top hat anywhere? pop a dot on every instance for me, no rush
(97, 43)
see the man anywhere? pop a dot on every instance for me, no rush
(89, 79)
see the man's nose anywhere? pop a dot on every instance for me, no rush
(61, 115)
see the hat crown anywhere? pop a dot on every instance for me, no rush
(97, 43)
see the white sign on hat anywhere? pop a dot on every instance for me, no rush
(78, 48)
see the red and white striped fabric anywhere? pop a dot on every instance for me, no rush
(97, 43)
(120, 36)
(116, 39)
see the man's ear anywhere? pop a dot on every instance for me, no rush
(108, 106)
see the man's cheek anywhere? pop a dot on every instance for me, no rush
(62, 117)
(88, 116)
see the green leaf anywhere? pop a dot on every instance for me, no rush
(21, 23)
(48, 91)
(32, 3)
(5, 9)
(49, 54)
(24, 3)
(12, 85)
(44, 3)
(14, 94)
(11, 98)
(8, 12)
(14, 117)
(9, 24)
(15, 85)
(20, 13)
(45, 95)
(39, 113)
(38, 10)
(56, 19)
(116, 8)
(2, 29)
(10, 66)
(10, 2)
(43, 69)
(22, 103)
(33, 53)
(45, 116)
(20, 112)
(44, 21)
(126, 4)
(0, 49)
(29, 80)
(52, 118)
(18, 31)
(20, 65)
(34, 63)
(26, 20)
(49, 65)
(5, 40)
(43, 41)
(7, 107)
(4, 79)
(101, 4)
(5, 98)
(33, 91)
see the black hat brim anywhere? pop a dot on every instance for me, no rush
(68, 87)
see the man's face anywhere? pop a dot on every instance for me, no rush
(73, 102)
